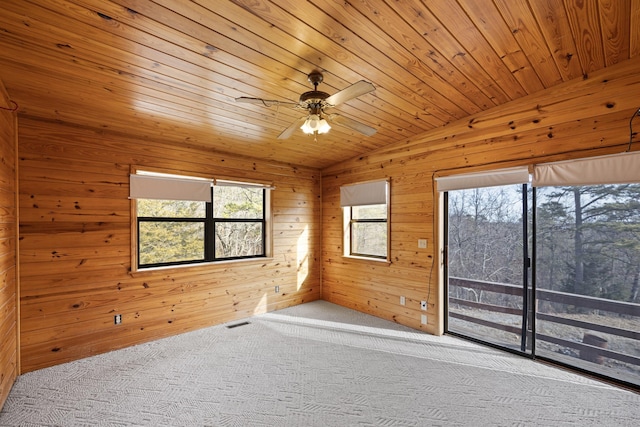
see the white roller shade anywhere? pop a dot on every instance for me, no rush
(519, 175)
(223, 183)
(169, 188)
(621, 168)
(366, 193)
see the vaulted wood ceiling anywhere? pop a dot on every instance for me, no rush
(170, 70)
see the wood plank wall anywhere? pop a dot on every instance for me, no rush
(584, 117)
(8, 226)
(75, 246)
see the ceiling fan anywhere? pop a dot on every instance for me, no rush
(315, 102)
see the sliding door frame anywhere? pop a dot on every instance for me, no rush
(528, 310)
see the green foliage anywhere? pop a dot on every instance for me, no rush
(596, 246)
(162, 242)
(176, 231)
(170, 209)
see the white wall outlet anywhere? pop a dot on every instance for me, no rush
(423, 319)
(117, 319)
(403, 300)
(277, 289)
(423, 305)
(422, 243)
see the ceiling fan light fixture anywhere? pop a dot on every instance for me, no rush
(314, 103)
(323, 126)
(315, 124)
(311, 125)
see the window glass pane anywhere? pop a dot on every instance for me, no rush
(369, 238)
(485, 268)
(238, 202)
(587, 278)
(369, 212)
(175, 241)
(238, 239)
(170, 208)
(173, 232)
(485, 234)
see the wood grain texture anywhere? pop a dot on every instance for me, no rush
(76, 246)
(8, 233)
(584, 20)
(634, 29)
(614, 15)
(169, 70)
(554, 25)
(580, 118)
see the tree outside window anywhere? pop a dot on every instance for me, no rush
(231, 226)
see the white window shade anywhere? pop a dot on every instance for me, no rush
(169, 188)
(519, 175)
(613, 169)
(223, 183)
(366, 193)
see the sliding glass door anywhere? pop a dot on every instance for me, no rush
(587, 273)
(583, 310)
(488, 274)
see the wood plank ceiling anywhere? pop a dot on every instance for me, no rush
(170, 70)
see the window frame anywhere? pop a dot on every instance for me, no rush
(349, 221)
(216, 220)
(209, 221)
(140, 220)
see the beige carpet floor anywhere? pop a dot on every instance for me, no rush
(317, 364)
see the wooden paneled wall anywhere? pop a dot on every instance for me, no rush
(581, 118)
(8, 226)
(75, 246)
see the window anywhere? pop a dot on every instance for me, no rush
(366, 226)
(229, 224)
(238, 221)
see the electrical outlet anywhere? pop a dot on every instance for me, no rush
(423, 319)
(403, 300)
(423, 305)
(422, 243)
(277, 288)
(117, 319)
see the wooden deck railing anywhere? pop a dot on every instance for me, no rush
(590, 348)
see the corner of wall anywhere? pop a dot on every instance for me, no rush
(9, 294)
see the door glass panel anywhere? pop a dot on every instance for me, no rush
(587, 272)
(486, 245)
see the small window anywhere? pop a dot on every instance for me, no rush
(366, 226)
(369, 231)
(230, 223)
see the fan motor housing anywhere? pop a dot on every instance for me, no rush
(313, 96)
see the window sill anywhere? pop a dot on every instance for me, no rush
(364, 258)
(198, 267)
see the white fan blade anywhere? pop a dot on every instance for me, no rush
(353, 91)
(292, 128)
(352, 124)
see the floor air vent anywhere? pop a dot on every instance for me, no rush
(235, 325)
